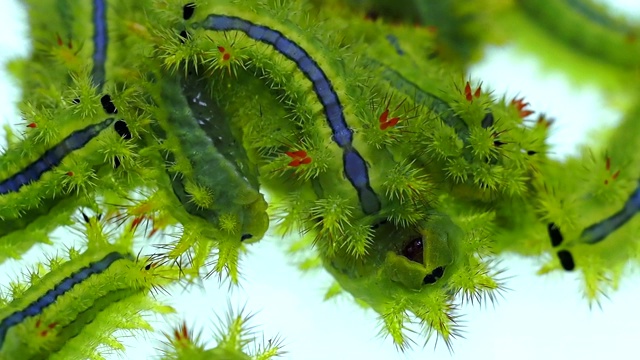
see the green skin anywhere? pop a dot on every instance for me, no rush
(212, 169)
(582, 26)
(463, 216)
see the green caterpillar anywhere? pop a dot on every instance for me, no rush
(404, 177)
(63, 308)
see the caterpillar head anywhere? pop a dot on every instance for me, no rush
(400, 259)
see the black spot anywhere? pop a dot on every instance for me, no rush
(438, 272)
(184, 36)
(566, 260)
(188, 10)
(531, 152)
(245, 237)
(85, 217)
(116, 162)
(75, 101)
(413, 250)
(487, 121)
(498, 143)
(122, 129)
(378, 224)
(435, 275)
(554, 234)
(108, 105)
(429, 279)
(148, 267)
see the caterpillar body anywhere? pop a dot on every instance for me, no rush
(52, 157)
(404, 176)
(354, 165)
(601, 35)
(55, 314)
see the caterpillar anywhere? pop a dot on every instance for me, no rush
(53, 157)
(55, 314)
(233, 335)
(35, 308)
(354, 165)
(605, 45)
(222, 100)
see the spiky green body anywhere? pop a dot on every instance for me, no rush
(218, 117)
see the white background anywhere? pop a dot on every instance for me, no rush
(539, 318)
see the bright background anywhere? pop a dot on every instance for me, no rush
(539, 318)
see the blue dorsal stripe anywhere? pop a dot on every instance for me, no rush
(343, 136)
(393, 40)
(60, 289)
(355, 167)
(599, 231)
(52, 157)
(100, 40)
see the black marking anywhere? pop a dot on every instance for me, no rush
(184, 36)
(116, 162)
(435, 275)
(108, 105)
(188, 10)
(245, 237)
(566, 260)
(554, 234)
(122, 129)
(438, 272)
(85, 217)
(487, 121)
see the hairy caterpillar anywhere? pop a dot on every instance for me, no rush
(600, 35)
(53, 157)
(354, 165)
(447, 198)
(55, 314)
(235, 340)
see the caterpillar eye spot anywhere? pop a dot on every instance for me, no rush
(188, 10)
(122, 129)
(148, 267)
(108, 105)
(566, 260)
(245, 237)
(414, 250)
